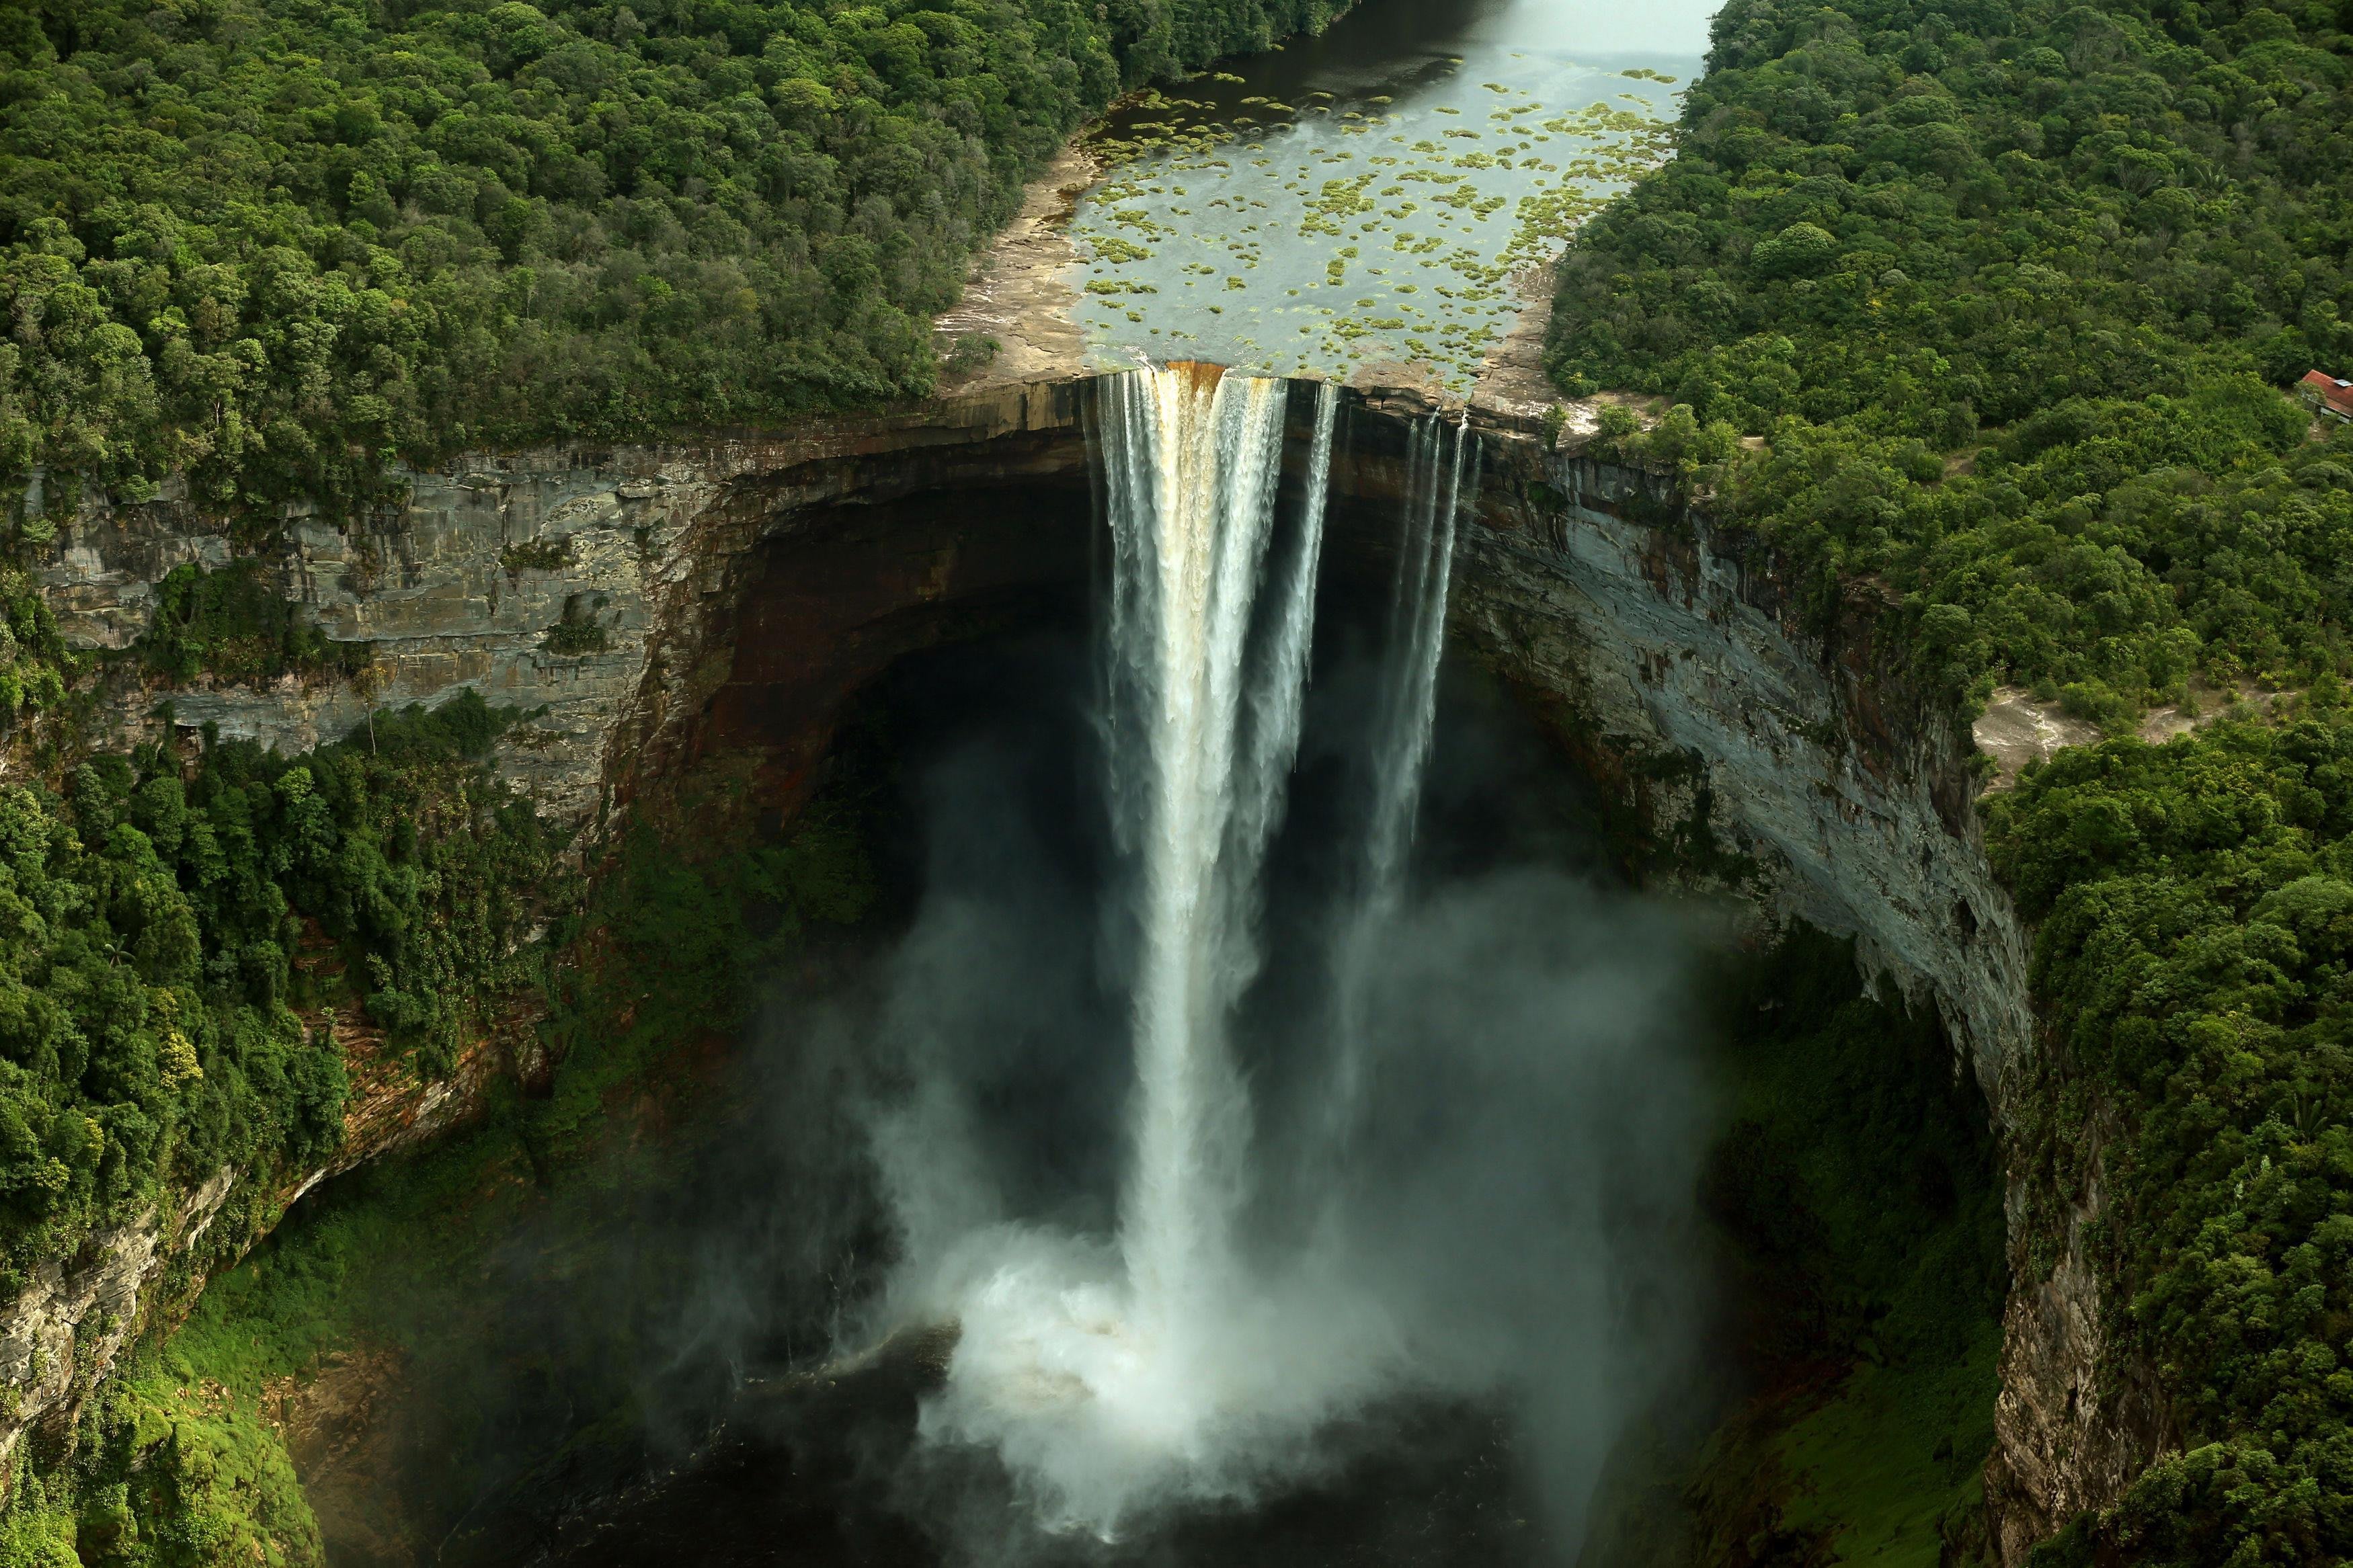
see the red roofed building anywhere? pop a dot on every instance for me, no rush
(2327, 393)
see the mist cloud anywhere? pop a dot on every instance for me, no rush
(1502, 1224)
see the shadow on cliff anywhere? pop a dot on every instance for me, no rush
(1517, 1207)
(631, 1354)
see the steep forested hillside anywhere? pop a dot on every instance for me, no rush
(2012, 289)
(272, 242)
(156, 934)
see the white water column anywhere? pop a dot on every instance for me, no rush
(1201, 738)
(1424, 583)
(1444, 474)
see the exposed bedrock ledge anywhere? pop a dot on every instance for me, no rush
(64, 1328)
(461, 586)
(747, 585)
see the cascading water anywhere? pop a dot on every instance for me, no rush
(1101, 1373)
(1418, 593)
(1423, 1238)
(1275, 709)
(1194, 457)
(1425, 575)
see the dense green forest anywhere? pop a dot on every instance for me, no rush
(2196, 903)
(2010, 289)
(162, 926)
(2101, 232)
(272, 244)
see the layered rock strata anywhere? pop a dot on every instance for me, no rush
(463, 585)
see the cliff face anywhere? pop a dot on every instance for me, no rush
(63, 1330)
(659, 546)
(1853, 802)
(462, 585)
(742, 588)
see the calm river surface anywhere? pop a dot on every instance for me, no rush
(1385, 192)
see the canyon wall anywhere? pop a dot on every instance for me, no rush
(741, 588)
(1846, 800)
(1691, 687)
(460, 587)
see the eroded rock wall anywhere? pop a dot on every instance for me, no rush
(1853, 803)
(62, 1332)
(1854, 807)
(462, 585)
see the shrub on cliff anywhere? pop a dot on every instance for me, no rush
(35, 667)
(232, 623)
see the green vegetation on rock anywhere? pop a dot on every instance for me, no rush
(2195, 964)
(173, 1469)
(36, 670)
(160, 932)
(235, 624)
(1855, 1201)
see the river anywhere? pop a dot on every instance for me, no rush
(1386, 194)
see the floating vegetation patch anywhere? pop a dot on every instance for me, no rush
(1261, 224)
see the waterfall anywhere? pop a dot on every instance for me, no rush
(1277, 1275)
(1162, 1361)
(1275, 706)
(1403, 727)
(1202, 737)
(1419, 592)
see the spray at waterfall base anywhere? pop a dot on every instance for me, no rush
(1488, 1062)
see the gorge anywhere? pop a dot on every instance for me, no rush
(751, 594)
(1518, 799)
